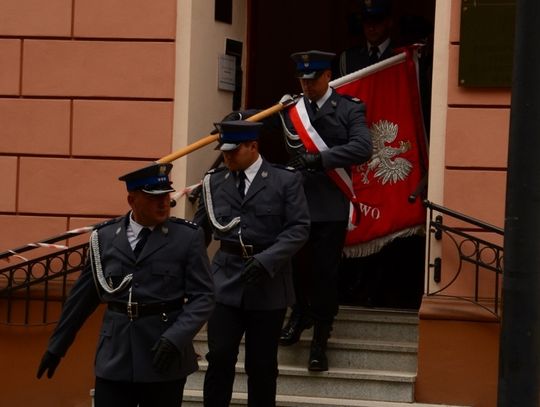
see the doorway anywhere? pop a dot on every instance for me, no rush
(393, 277)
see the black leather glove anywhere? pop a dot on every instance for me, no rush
(308, 161)
(253, 271)
(165, 353)
(49, 363)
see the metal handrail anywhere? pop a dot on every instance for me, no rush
(41, 282)
(49, 241)
(38, 286)
(483, 255)
(483, 225)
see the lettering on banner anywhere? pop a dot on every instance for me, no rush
(370, 211)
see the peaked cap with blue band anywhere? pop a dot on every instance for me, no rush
(153, 179)
(234, 132)
(310, 64)
(375, 9)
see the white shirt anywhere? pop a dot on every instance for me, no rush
(381, 47)
(133, 230)
(251, 171)
(325, 97)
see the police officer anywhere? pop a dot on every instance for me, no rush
(326, 134)
(377, 23)
(154, 274)
(258, 213)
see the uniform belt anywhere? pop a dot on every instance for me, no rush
(238, 250)
(136, 309)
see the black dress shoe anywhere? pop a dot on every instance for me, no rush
(318, 362)
(290, 334)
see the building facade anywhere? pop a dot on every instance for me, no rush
(91, 89)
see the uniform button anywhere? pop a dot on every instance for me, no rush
(244, 226)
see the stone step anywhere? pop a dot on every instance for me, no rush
(372, 354)
(193, 398)
(356, 354)
(354, 384)
(342, 353)
(376, 324)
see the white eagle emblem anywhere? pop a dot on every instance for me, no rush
(385, 164)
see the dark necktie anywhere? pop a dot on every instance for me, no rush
(314, 106)
(143, 237)
(373, 55)
(241, 183)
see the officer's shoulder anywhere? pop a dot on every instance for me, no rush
(215, 170)
(352, 99)
(184, 222)
(108, 222)
(283, 167)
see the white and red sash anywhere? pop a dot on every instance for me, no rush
(315, 144)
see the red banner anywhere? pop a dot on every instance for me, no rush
(384, 184)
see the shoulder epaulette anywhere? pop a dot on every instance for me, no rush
(216, 170)
(183, 221)
(352, 98)
(283, 167)
(108, 222)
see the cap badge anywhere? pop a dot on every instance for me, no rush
(368, 3)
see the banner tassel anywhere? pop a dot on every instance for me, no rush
(375, 245)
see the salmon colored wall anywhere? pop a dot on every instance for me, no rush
(475, 179)
(458, 341)
(89, 90)
(10, 60)
(86, 94)
(457, 355)
(468, 133)
(476, 145)
(73, 379)
(475, 192)
(8, 168)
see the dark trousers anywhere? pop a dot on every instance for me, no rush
(226, 327)
(109, 393)
(316, 268)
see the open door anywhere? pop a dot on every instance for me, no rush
(394, 276)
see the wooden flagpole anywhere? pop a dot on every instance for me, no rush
(214, 136)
